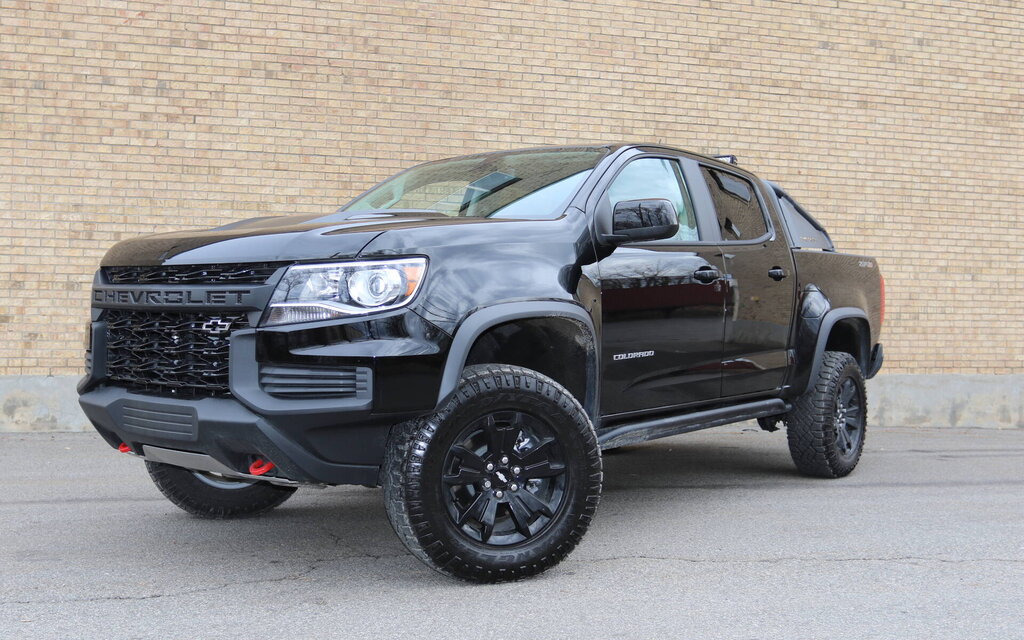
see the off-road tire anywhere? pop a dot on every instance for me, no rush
(811, 427)
(198, 498)
(413, 486)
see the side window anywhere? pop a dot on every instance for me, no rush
(656, 178)
(804, 233)
(739, 212)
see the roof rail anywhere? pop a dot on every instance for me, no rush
(731, 159)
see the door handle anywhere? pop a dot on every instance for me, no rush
(777, 273)
(706, 275)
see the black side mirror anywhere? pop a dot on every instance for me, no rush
(639, 220)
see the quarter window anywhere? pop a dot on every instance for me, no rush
(739, 212)
(649, 178)
(805, 234)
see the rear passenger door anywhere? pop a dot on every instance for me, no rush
(662, 302)
(760, 285)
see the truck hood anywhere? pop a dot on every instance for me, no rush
(270, 239)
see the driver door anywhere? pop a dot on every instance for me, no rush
(662, 302)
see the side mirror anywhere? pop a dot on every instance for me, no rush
(640, 220)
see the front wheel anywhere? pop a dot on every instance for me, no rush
(828, 424)
(209, 495)
(500, 484)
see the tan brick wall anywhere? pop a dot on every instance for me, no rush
(899, 124)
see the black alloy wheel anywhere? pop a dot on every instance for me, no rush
(827, 426)
(849, 419)
(505, 478)
(499, 484)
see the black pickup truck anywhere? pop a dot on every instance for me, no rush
(471, 333)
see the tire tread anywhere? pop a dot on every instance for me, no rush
(196, 498)
(408, 445)
(809, 429)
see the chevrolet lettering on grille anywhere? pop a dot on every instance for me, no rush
(143, 297)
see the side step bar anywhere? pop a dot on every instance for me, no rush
(653, 428)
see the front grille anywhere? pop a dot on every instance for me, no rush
(164, 353)
(248, 273)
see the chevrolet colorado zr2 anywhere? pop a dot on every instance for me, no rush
(471, 333)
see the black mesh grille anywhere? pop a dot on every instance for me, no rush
(180, 354)
(249, 273)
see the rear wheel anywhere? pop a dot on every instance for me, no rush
(209, 495)
(501, 483)
(828, 424)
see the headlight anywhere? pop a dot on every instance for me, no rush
(311, 292)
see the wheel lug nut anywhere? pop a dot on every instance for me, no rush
(487, 484)
(513, 487)
(504, 459)
(499, 494)
(517, 470)
(490, 466)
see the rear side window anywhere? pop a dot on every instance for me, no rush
(803, 232)
(739, 212)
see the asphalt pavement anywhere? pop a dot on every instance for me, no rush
(705, 535)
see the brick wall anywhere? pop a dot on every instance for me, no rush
(899, 124)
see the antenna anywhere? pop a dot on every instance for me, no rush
(731, 159)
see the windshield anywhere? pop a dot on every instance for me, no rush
(534, 185)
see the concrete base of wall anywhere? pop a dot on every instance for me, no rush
(50, 403)
(40, 403)
(946, 400)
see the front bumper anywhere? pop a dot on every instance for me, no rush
(231, 434)
(309, 439)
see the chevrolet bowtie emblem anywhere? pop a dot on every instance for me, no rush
(216, 326)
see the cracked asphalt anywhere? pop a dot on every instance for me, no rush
(710, 534)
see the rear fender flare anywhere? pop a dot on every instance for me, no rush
(828, 322)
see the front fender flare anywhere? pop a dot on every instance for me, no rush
(479, 321)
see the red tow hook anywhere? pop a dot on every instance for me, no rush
(124, 448)
(260, 466)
